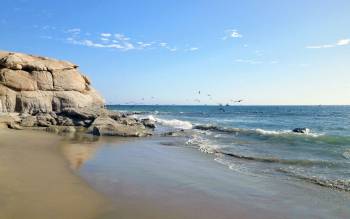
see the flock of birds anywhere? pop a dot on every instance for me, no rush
(196, 100)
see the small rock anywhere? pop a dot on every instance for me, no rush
(29, 121)
(301, 130)
(149, 123)
(13, 125)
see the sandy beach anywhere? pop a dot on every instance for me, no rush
(37, 183)
(49, 176)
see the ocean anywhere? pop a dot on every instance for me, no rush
(259, 141)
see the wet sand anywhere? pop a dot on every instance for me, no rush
(36, 182)
(155, 179)
(45, 176)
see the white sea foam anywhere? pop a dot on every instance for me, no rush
(284, 132)
(175, 123)
(346, 154)
(203, 144)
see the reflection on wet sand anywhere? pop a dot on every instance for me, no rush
(35, 182)
(80, 148)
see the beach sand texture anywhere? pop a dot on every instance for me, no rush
(36, 181)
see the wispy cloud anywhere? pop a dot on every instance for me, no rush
(232, 33)
(341, 42)
(248, 61)
(116, 41)
(73, 30)
(166, 46)
(106, 34)
(192, 49)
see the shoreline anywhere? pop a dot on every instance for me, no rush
(36, 181)
(51, 176)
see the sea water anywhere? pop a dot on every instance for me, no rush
(259, 140)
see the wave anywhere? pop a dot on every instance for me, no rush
(340, 184)
(298, 162)
(252, 131)
(174, 123)
(279, 134)
(203, 144)
(207, 146)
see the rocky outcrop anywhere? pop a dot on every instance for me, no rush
(46, 94)
(107, 126)
(33, 84)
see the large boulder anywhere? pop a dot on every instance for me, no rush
(68, 80)
(44, 80)
(33, 84)
(106, 126)
(17, 80)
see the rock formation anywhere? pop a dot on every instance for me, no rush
(32, 84)
(37, 91)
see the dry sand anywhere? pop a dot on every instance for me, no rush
(36, 181)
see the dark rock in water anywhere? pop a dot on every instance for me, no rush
(301, 130)
(176, 133)
(149, 123)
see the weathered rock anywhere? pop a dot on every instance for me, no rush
(68, 80)
(64, 121)
(38, 84)
(74, 99)
(7, 99)
(14, 125)
(19, 61)
(45, 120)
(115, 115)
(84, 113)
(17, 80)
(10, 120)
(53, 95)
(105, 126)
(149, 123)
(29, 121)
(44, 80)
(34, 101)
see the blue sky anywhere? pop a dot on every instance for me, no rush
(164, 52)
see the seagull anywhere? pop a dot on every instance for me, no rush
(237, 101)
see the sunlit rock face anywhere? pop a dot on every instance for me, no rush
(33, 84)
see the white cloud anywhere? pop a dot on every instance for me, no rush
(232, 34)
(192, 49)
(341, 42)
(144, 45)
(121, 37)
(115, 41)
(73, 30)
(106, 34)
(248, 61)
(320, 46)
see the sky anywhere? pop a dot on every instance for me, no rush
(277, 52)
